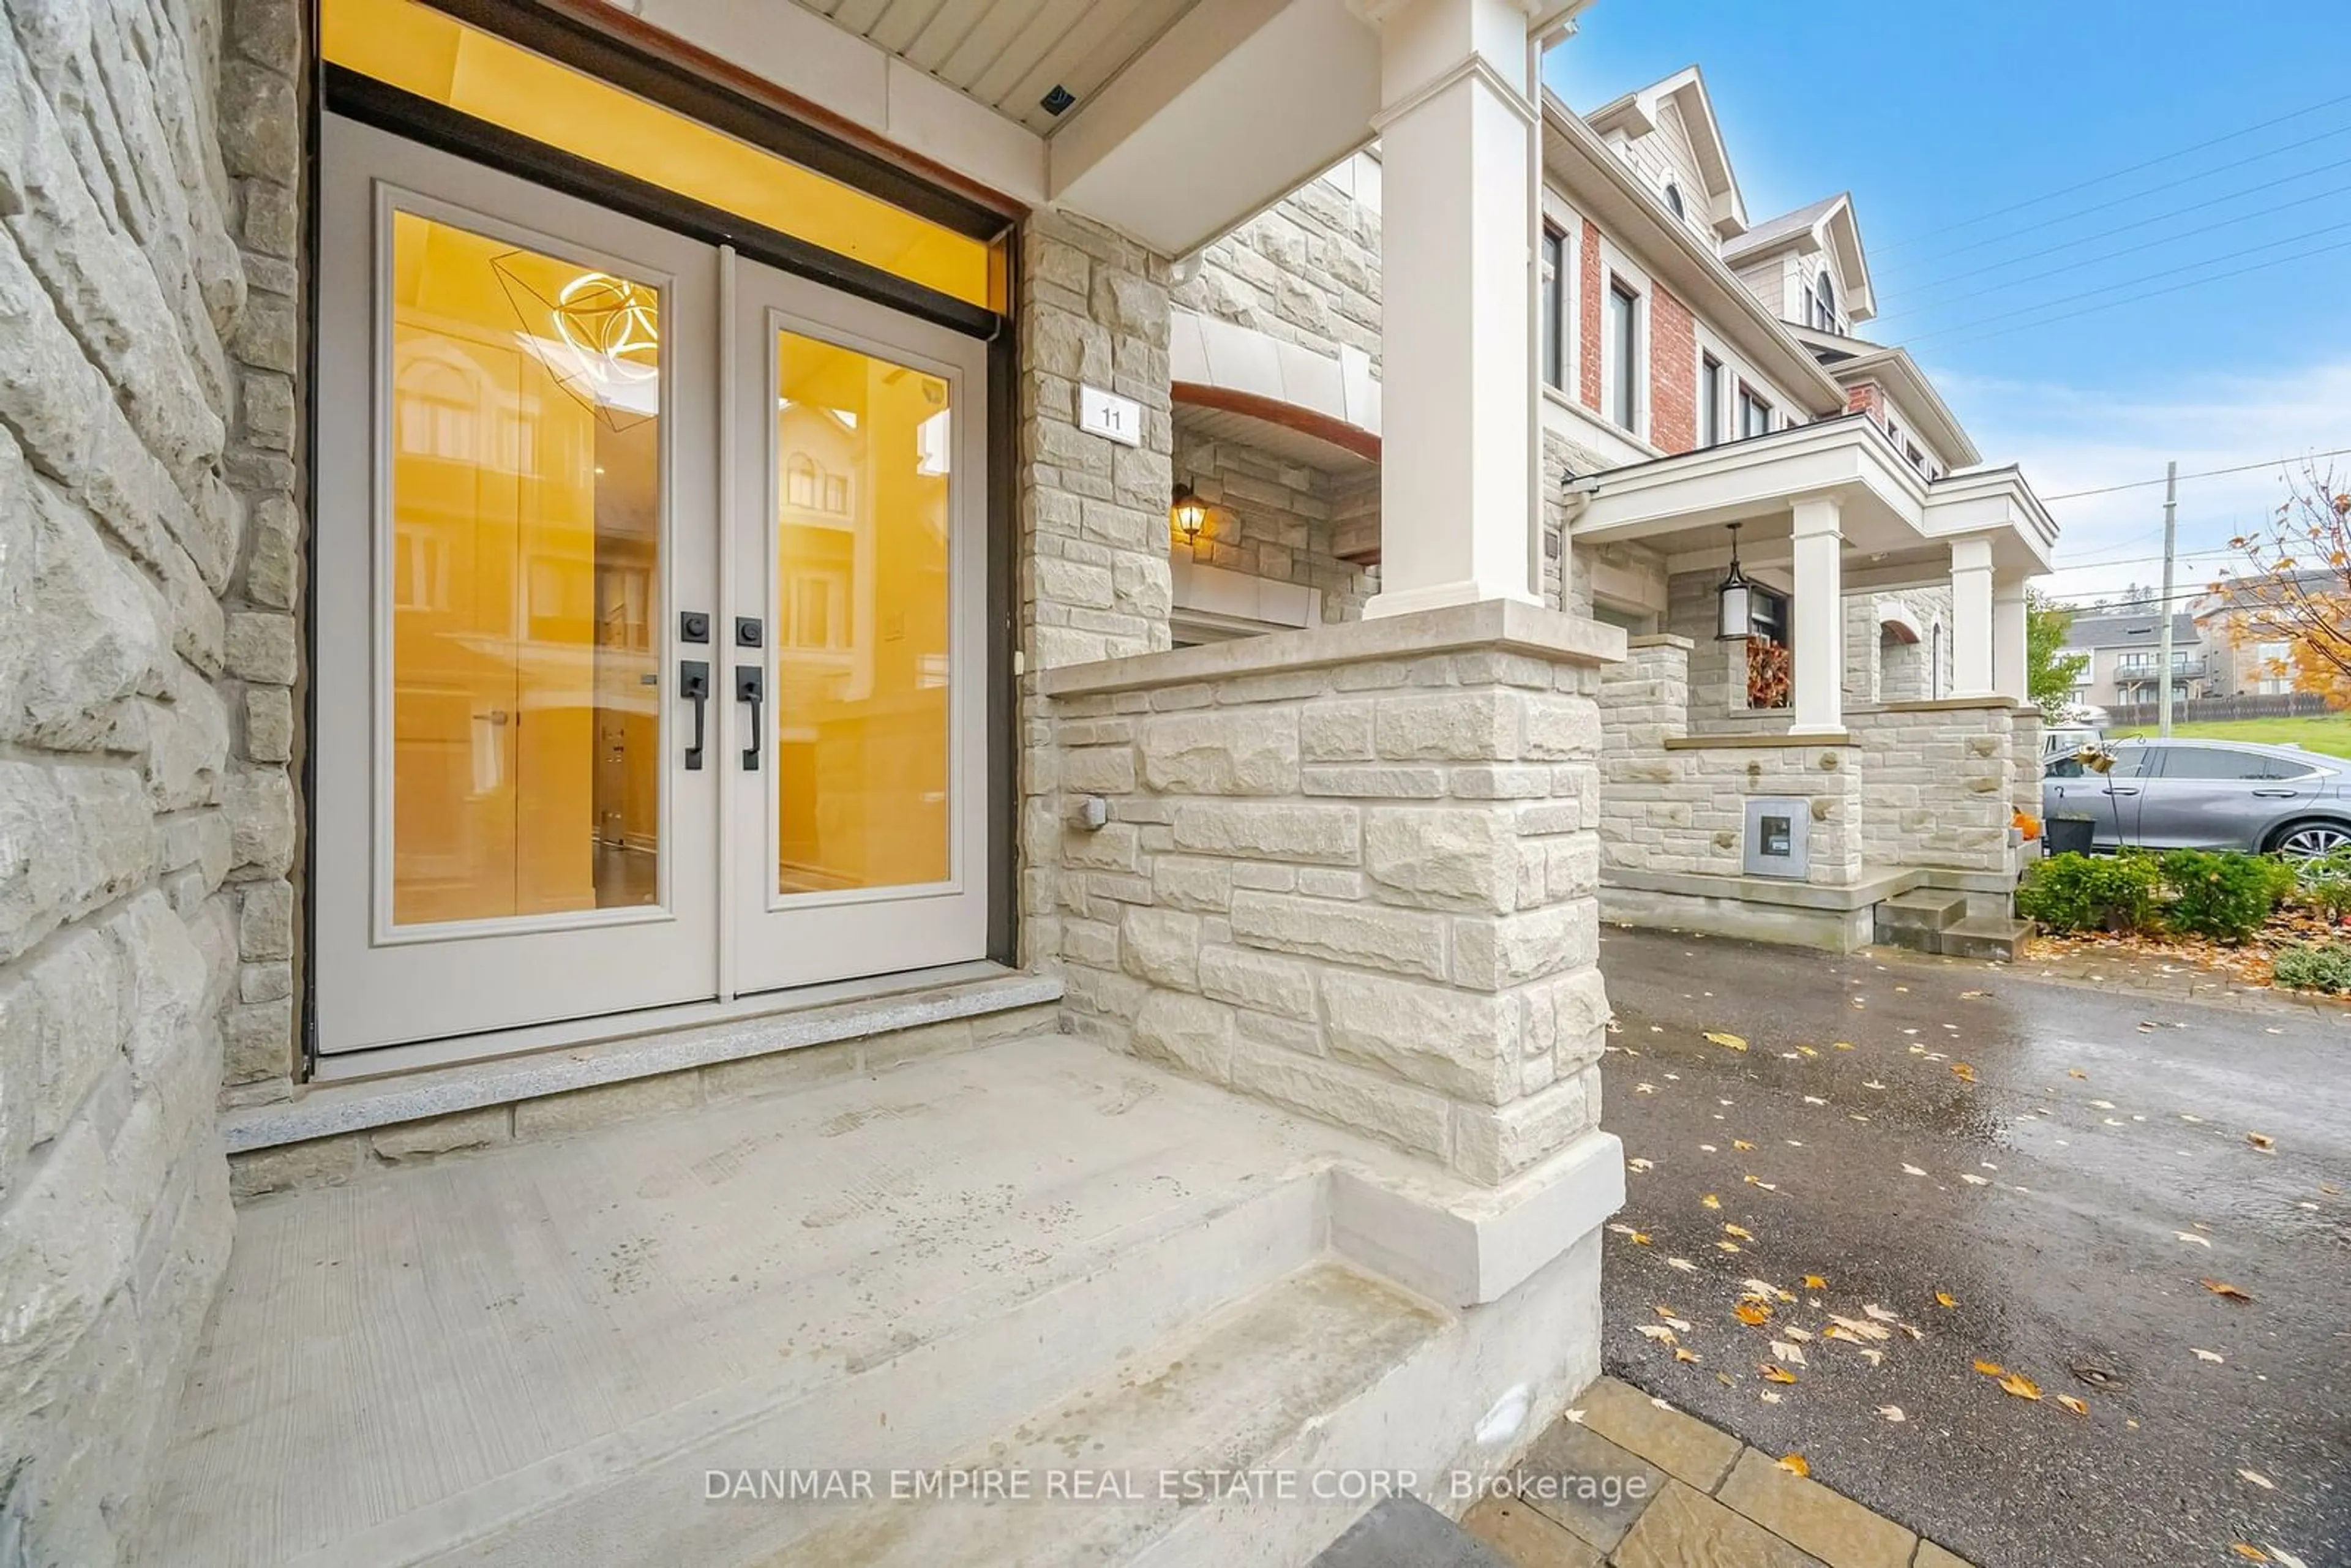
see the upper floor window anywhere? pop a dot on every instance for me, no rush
(1624, 338)
(1825, 316)
(1754, 414)
(1555, 299)
(1673, 200)
(1709, 400)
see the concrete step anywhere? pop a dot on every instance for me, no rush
(1915, 919)
(1248, 1390)
(535, 1356)
(1985, 937)
(1405, 1533)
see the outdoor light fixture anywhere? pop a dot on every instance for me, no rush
(1188, 513)
(1738, 618)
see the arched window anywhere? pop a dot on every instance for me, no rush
(800, 481)
(1674, 199)
(1824, 301)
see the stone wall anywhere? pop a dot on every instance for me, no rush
(1305, 270)
(1362, 890)
(1939, 782)
(1275, 519)
(149, 156)
(1669, 805)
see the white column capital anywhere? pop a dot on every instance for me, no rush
(1817, 514)
(1972, 552)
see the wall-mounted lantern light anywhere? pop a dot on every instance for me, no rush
(1737, 620)
(1188, 515)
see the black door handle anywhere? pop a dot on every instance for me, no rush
(693, 684)
(751, 686)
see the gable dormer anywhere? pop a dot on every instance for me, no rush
(1808, 266)
(1666, 131)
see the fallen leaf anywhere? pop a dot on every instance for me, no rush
(1991, 1369)
(2192, 1235)
(2262, 1141)
(1640, 1165)
(1574, 1416)
(1740, 1144)
(1711, 1201)
(1751, 1313)
(1778, 1373)
(1844, 1045)
(1892, 1412)
(1791, 1354)
(1796, 1462)
(1726, 1245)
(2104, 1104)
(1973, 996)
(1974, 1180)
(1858, 1329)
(1963, 1072)
(1680, 1326)
(1769, 1395)
(2075, 1073)
(1881, 1314)
(2249, 1553)
(2259, 1480)
(1729, 1041)
(1684, 1264)
(1794, 1333)
(1739, 1232)
(1814, 1283)
(1944, 1299)
(1657, 1332)
(2286, 1559)
(1681, 1354)
(1645, 1089)
(2023, 1387)
(1815, 1100)
(1912, 1170)
(2222, 1288)
(2075, 1406)
(2207, 1355)
(1766, 1185)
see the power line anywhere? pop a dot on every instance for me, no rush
(2204, 473)
(2118, 173)
(2133, 299)
(2132, 282)
(2126, 250)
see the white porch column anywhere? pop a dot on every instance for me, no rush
(1457, 128)
(1971, 619)
(2008, 628)
(1818, 700)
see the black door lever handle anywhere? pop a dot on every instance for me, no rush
(693, 684)
(751, 686)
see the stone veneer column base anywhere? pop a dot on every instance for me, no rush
(1350, 872)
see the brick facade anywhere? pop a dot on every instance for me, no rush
(1673, 373)
(1587, 329)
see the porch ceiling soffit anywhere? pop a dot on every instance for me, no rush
(1692, 495)
(1602, 186)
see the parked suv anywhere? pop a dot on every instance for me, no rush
(2207, 795)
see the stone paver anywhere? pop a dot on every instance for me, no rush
(1933, 1556)
(1525, 1538)
(1405, 1533)
(1683, 1528)
(1836, 1529)
(1586, 1483)
(1682, 1445)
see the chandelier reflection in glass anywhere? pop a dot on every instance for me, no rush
(604, 347)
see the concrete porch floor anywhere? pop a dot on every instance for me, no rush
(1036, 1253)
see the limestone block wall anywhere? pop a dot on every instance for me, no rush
(149, 156)
(1275, 519)
(2024, 761)
(1674, 802)
(1306, 271)
(1363, 891)
(1092, 514)
(1939, 781)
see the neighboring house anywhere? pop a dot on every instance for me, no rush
(617, 565)
(2125, 654)
(2241, 659)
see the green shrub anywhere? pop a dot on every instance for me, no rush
(2324, 882)
(2090, 893)
(2223, 895)
(2317, 965)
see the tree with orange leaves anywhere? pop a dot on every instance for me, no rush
(2295, 587)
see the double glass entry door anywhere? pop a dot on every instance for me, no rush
(649, 595)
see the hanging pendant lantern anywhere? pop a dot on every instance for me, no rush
(1736, 619)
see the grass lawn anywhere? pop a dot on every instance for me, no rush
(2330, 733)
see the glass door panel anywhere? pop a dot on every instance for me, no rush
(863, 637)
(517, 498)
(860, 500)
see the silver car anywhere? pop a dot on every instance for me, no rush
(2207, 795)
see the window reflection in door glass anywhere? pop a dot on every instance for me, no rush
(861, 649)
(525, 580)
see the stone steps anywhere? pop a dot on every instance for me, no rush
(1935, 920)
(1986, 937)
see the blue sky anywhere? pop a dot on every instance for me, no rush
(1934, 115)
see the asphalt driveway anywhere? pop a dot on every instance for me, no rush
(2102, 1161)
